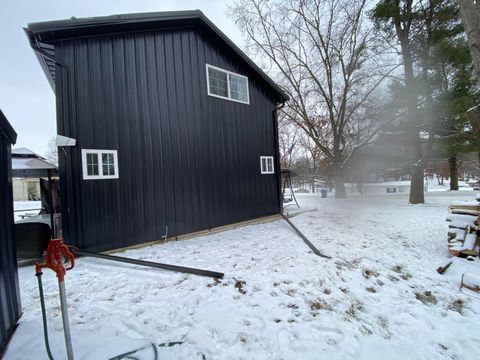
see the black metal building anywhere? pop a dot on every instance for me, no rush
(174, 126)
(10, 309)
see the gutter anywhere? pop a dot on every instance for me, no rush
(279, 106)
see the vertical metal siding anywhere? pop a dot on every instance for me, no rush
(187, 160)
(10, 308)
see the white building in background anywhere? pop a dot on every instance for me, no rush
(25, 189)
(27, 169)
(391, 187)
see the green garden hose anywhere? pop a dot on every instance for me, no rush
(127, 355)
(44, 315)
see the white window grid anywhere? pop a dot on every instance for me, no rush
(208, 66)
(99, 154)
(266, 165)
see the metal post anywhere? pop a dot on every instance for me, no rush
(52, 206)
(289, 179)
(304, 238)
(66, 324)
(57, 251)
(277, 157)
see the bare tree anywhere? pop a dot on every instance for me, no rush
(312, 153)
(470, 11)
(328, 61)
(52, 151)
(288, 140)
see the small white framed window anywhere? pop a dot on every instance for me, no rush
(99, 164)
(227, 85)
(266, 165)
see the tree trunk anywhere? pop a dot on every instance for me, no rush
(360, 187)
(340, 192)
(416, 169)
(474, 119)
(439, 178)
(470, 13)
(453, 172)
(416, 185)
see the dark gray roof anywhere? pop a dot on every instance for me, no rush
(42, 34)
(26, 163)
(24, 152)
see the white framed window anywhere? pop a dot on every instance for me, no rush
(227, 85)
(99, 164)
(266, 165)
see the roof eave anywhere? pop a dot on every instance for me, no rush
(284, 96)
(40, 57)
(45, 31)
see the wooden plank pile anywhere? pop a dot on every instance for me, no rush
(464, 228)
(470, 282)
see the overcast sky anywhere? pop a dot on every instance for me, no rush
(26, 97)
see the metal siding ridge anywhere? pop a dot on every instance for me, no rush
(165, 126)
(155, 153)
(193, 195)
(203, 128)
(146, 132)
(182, 125)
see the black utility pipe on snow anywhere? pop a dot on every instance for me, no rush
(304, 238)
(181, 269)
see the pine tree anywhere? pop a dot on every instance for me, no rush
(427, 33)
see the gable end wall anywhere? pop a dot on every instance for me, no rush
(187, 160)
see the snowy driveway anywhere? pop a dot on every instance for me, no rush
(379, 296)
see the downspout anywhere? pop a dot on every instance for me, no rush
(52, 205)
(278, 106)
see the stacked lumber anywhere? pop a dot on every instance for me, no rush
(470, 282)
(464, 229)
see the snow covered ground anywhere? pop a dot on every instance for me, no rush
(26, 209)
(379, 297)
(434, 186)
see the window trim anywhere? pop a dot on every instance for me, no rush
(228, 85)
(100, 164)
(266, 170)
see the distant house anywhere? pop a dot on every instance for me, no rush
(28, 168)
(175, 127)
(27, 189)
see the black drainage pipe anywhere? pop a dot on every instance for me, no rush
(181, 269)
(304, 238)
